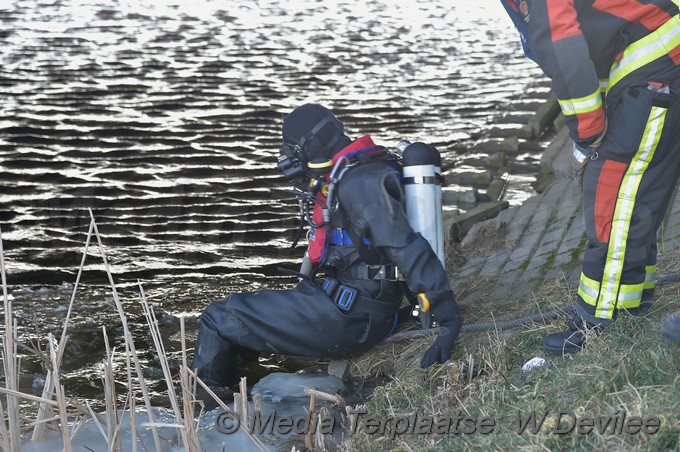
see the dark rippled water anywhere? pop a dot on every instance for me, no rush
(164, 118)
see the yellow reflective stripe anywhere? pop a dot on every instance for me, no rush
(630, 296)
(628, 289)
(588, 289)
(604, 83)
(581, 105)
(623, 212)
(643, 51)
(593, 284)
(650, 275)
(630, 304)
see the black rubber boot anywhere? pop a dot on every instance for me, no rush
(571, 340)
(670, 329)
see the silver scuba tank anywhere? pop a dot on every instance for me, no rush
(422, 188)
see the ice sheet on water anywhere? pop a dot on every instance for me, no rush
(282, 394)
(282, 387)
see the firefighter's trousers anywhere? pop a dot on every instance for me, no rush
(627, 189)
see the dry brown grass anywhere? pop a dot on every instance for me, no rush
(391, 359)
(483, 240)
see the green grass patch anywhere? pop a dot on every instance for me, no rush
(621, 393)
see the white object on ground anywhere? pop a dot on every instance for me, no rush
(533, 363)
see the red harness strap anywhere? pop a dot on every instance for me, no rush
(317, 236)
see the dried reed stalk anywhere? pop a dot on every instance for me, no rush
(49, 419)
(61, 398)
(30, 397)
(152, 322)
(48, 389)
(224, 406)
(134, 434)
(44, 410)
(318, 442)
(4, 434)
(62, 339)
(110, 397)
(327, 397)
(309, 441)
(129, 342)
(133, 406)
(257, 402)
(9, 358)
(243, 389)
(96, 421)
(237, 405)
(188, 389)
(319, 437)
(76, 429)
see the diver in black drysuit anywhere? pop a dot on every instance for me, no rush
(355, 306)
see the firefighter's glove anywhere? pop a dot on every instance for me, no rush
(579, 158)
(446, 313)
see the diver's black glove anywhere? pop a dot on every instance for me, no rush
(445, 310)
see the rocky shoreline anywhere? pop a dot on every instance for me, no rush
(541, 240)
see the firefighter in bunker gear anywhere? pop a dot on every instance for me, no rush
(358, 250)
(615, 69)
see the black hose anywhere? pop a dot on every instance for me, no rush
(486, 326)
(491, 326)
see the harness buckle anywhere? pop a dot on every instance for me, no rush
(388, 272)
(343, 296)
(373, 272)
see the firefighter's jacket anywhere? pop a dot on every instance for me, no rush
(587, 47)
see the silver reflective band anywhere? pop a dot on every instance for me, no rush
(581, 157)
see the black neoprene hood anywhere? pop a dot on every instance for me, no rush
(316, 130)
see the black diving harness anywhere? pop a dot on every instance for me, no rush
(326, 186)
(345, 297)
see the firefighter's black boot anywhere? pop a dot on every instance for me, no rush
(670, 329)
(571, 340)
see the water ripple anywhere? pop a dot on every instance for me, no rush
(164, 118)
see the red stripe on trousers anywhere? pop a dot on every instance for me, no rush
(608, 184)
